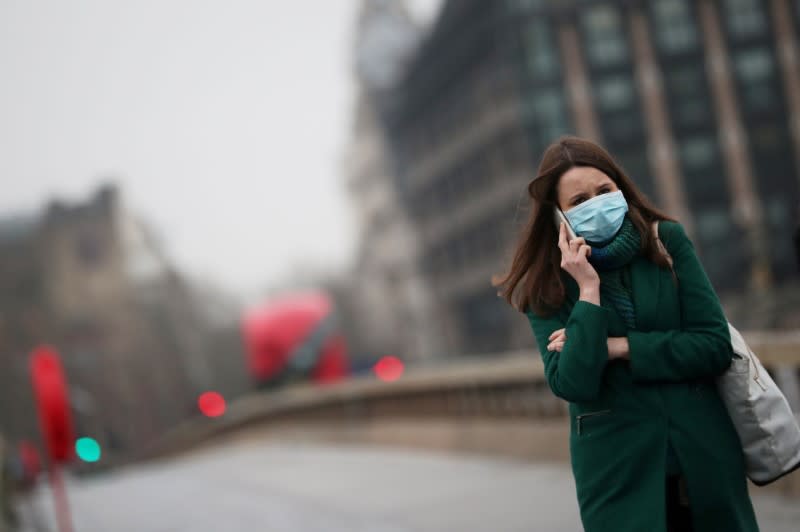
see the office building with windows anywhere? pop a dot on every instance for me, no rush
(698, 100)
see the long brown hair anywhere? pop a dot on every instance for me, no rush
(534, 281)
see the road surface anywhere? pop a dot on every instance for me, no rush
(291, 487)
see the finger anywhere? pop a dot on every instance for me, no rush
(585, 250)
(576, 243)
(555, 333)
(558, 346)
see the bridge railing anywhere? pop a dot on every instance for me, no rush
(499, 404)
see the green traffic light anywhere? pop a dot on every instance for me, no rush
(87, 449)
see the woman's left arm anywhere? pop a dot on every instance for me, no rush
(702, 346)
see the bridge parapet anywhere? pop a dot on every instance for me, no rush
(497, 404)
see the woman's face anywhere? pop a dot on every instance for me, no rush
(581, 183)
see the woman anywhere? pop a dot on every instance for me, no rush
(634, 345)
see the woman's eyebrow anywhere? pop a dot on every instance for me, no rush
(576, 196)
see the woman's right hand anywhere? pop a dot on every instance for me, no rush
(574, 260)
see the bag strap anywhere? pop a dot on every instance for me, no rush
(663, 249)
(738, 343)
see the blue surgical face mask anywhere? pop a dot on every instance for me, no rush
(598, 219)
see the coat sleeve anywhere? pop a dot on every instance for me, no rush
(576, 372)
(702, 345)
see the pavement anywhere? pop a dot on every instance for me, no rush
(298, 487)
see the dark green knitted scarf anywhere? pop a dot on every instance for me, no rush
(609, 261)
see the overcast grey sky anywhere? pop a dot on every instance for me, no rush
(224, 122)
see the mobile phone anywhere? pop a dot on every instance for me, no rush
(561, 218)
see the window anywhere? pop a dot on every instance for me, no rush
(768, 139)
(726, 265)
(615, 93)
(637, 166)
(701, 165)
(754, 65)
(615, 97)
(745, 18)
(779, 219)
(686, 86)
(755, 70)
(713, 224)
(698, 152)
(777, 212)
(549, 109)
(675, 28)
(770, 142)
(542, 55)
(605, 36)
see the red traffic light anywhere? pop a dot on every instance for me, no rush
(50, 391)
(389, 368)
(211, 404)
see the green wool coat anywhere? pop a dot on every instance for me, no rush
(624, 413)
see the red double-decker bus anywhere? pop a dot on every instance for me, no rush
(294, 338)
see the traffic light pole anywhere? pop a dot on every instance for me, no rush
(55, 419)
(63, 514)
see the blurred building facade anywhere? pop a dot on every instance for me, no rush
(389, 308)
(698, 100)
(92, 281)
